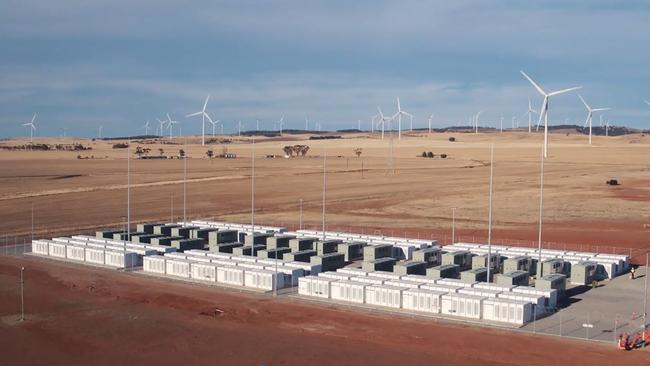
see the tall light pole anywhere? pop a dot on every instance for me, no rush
(128, 197)
(22, 294)
(253, 194)
(645, 295)
(185, 185)
(300, 226)
(324, 192)
(541, 208)
(489, 256)
(453, 225)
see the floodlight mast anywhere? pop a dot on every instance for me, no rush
(489, 256)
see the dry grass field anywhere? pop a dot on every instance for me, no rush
(95, 316)
(579, 208)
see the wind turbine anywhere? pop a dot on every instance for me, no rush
(307, 124)
(203, 114)
(590, 112)
(146, 128)
(530, 112)
(100, 131)
(162, 126)
(382, 120)
(372, 122)
(214, 123)
(544, 111)
(239, 128)
(430, 119)
(170, 125)
(281, 123)
(31, 127)
(399, 115)
(359, 125)
(476, 121)
(501, 130)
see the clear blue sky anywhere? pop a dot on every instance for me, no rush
(81, 64)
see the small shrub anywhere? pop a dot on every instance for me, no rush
(430, 154)
(443, 156)
(452, 139)
(424, 154)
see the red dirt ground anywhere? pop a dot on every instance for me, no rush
(92, 316)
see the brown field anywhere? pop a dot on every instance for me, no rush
(580, 211)
(81, 315)
(78, 315)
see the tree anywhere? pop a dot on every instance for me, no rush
(288, 150)
(209, 153)
(424, 154)
(146, 151)
(358, 151)
(161, 151)
(304, 149)
(430, 155)
(138, 151)
(181, 153)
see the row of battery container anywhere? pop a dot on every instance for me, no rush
(516, 305)
(611, 264)
(231, 270)
(90, 250)
(404, 247)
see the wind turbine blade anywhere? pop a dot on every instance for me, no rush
(169, 118)
(646, 102)
(564, 91)
(539, 88)
(194, 114)
(208, 117)
(399, 108)
(33, 118)
(583, 102)
(587, 120)
(380, 113)
(205, 105)
(600, 109)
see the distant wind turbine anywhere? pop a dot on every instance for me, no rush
(100, 132)
(281, 123)
(382, 120)
(170, 125)
(476, 117)
(430, 119)
(31, 127)
(214, 124)
(399, 115)
(530, 112)
(544, 110)
(203, 115)
(590, 112)
(162, 127)
(146, 128)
